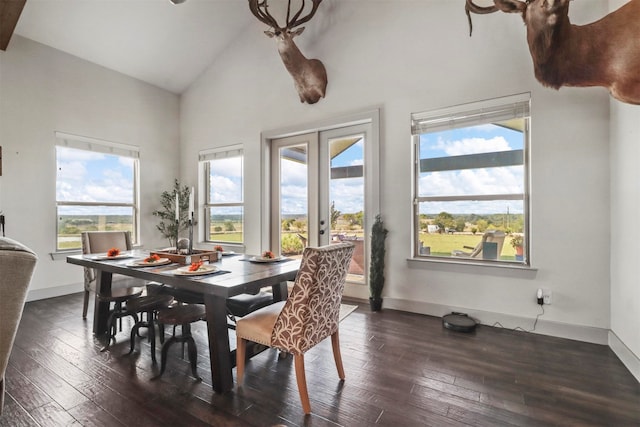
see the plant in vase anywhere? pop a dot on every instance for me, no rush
(517, 242)
(376, 269)
(167, 213)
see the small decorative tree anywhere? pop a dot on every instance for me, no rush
(167, 214)
(376, 269)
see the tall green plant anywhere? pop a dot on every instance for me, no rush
(167, 213)
(376, 269)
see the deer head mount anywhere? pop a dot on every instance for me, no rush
(309, 75)
(604, 53)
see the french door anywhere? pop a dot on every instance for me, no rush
(319, 191)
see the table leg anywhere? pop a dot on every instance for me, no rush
(219, 350)
(280, 291)
(101, 308)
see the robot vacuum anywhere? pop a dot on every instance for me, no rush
(459, 322)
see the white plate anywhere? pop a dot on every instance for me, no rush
(205, 269)
(226, 253)
(106, 257)
(143, 263)
(262, 259)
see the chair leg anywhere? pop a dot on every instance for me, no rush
(335, 343)
(193, 357)
(132, 341)
(241, 351)
(163, 356)
(85, 304)
(302, 383)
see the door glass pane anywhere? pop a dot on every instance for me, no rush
(346, 195)
(294, 215)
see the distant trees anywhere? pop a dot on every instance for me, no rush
(354, 220)
(445, 221)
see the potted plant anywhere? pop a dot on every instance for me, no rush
(167, 214)
(517, 242)
(376, 269)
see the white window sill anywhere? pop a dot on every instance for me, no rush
(456, 265)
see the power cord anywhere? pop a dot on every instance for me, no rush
(518, 328)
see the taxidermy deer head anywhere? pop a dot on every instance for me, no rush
(604, 53)
(309, 75)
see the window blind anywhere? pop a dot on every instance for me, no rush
(97, 145)
(220, 153)
(477, 113)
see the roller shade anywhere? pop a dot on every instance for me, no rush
(97, 145)
(490, 111)
(220, 153)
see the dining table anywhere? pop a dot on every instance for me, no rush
(232, 275)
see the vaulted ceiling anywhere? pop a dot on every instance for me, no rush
(155, 41)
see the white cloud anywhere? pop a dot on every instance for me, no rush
(472, 146)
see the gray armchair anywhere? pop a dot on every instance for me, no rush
(17, 263)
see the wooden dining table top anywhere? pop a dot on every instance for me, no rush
(236, 273)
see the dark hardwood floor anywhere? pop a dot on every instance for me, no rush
(402, 370)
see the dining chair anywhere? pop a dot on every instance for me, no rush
(122, 288)
(182, 315)
(149, 305)
(96, 242)
(307, 317)
(17, 264)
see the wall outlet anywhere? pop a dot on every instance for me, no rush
(546, 296)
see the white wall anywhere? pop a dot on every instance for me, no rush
(625, 234)
(414, 56)
(43, 90)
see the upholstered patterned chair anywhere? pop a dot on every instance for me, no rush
(17, 263)
(307, 317)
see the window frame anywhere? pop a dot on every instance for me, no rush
(467, 115)
(78, 142)
(204, 159)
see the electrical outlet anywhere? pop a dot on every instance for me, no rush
(546, 296)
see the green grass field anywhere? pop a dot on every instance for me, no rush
(229, 237)
(444, 244)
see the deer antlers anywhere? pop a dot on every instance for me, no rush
(309, 75)
(260, 11)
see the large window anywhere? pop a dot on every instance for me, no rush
(224, 195)
(471, 182)
(96, 188)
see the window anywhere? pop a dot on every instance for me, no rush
(96, 188)
(224, 195)
(471, 182)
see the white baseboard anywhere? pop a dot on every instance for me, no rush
(57, 291)
(626, 356)
(544, 327)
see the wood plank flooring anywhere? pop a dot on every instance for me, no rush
(402, 369)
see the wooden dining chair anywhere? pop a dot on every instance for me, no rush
(307, 317)
(97, 242)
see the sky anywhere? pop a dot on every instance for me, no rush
(347, 193)
(89, 176)
(85, 176)
(487, 181)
